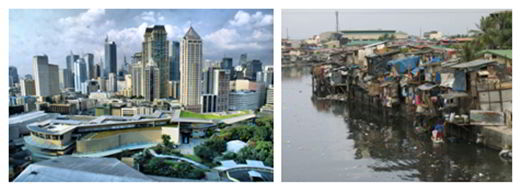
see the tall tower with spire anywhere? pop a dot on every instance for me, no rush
(191, 66)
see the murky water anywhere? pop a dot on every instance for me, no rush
(338, 141)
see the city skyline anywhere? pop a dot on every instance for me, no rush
(227, 33)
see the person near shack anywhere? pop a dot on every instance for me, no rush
(437, 132)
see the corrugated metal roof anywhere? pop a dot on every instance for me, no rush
(507, 53)
(472, 64)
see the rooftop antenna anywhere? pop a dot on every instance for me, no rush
(336, 14)
(287, 33)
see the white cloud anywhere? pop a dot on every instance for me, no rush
(258, 19)
(150, 16)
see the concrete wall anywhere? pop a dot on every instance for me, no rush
(173, 132)
(496, 137)
(110, 142)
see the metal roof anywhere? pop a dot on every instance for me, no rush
(472, 64)
(76, 169)
(507, 53)
(26, 117)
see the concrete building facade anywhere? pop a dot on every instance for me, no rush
(191, 63)
(46, 76)
(155, 47)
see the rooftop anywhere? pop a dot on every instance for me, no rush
(472, 64)
(506, 53)
(366, 31)
(26, 117)
(77, 169)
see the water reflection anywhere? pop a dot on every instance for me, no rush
(391, 146)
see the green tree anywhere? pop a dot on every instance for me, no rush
(494, 31)
(205, 153)
(166, 140)
(468, 51)
(216, 144)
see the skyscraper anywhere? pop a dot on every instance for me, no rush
(252, 68)
(221, 88)
(112, 83)
(89, 60)
(156, 43)
(27, 87)
(173, 54)
(80, 74)
(46, 76)
(110, 58)
(227, 63)
(244, 59)
(151, 78)
(191, 63)
(69, 81)
(136, 72)
(13, 76)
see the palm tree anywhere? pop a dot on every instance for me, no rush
(469, 50)
(495, 31)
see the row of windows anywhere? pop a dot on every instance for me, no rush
(47, 136)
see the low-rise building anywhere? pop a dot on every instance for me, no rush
(62, 108)
(243, 100)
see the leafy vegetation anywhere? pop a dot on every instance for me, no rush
(166, 141)
(210, 149)
(262, 151)
(494, 32)
(169, 168)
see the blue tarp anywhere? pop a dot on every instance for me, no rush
(460, 81)
(416, 70)
(438, 77)
(435, 60)
(404, 64)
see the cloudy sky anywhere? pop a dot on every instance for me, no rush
(57, 32)
(303, 24)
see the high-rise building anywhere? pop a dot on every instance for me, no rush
(221, 88)
(70, 59)
(80, 74)
(110, 58)
(151, 86)
(46, 76)
(28, 76)
(89, 60)
(227, 63)
(217, 82)
(253, 67)
(151, 78)
(27, 87)
(209, 103)
(136, 73)
(155, 41)
(243, 59)
(112, 83)
(174, 54)
(13, 76)
(191, 63)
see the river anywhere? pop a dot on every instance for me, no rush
(342, 141)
